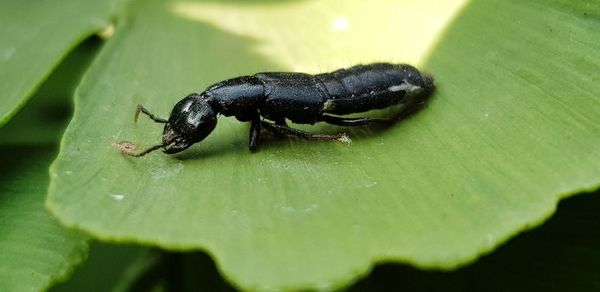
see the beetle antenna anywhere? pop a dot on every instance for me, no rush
(128, 148)
(142, 153)
(141, 108)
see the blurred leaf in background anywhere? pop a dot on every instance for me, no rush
(36, 36)
(35, 250)
(43, 120)
(113, 268)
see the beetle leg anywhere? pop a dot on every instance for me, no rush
(254, 132)
(281, 122)
(142, 109)
(287, 131)
(352, 121)
(409, 111)
(341, 121)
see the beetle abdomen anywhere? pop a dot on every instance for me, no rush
(374, 86)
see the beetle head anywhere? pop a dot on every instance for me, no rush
(191, 120)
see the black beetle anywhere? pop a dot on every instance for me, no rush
(299, 97)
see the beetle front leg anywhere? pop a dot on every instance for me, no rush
(254, 132)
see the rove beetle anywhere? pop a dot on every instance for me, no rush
(299, 97)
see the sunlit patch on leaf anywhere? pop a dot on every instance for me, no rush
(320, 36)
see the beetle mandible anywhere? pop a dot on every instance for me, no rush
(268, 99)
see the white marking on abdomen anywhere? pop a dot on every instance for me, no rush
(409, 88)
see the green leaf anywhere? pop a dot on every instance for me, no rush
(35, 37)
(511, 129)
(111, 268)
(43, 120)
(35, 250)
